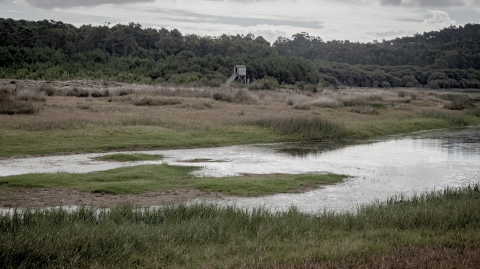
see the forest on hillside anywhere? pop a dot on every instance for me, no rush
(51, 50)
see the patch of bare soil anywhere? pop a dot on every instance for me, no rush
(32, 198)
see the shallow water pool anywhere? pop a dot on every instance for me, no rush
(379, 169)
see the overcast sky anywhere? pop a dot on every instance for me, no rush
(361, 20)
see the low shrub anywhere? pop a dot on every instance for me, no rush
(301, 106)
(266, 83)
(197, 104)
(362, 103)
(222, 97)
(311, 88)
(326, 101)
(78, 92)
(460, 102)
(244, 96)
(386, 84)
(216, 82)
(99, 93)
(150, 101)
(48, 90)
(123, 92)
(364, 110)
(476, 112)
(18, 107)
(10, 105)
(241, 96)
(84, 106)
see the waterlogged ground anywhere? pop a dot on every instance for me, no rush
(400, 165)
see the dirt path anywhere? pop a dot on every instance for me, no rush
(12, 197)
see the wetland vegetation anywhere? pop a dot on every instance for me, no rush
(441, 226)
(66, 90)
(436, 229)
(112, 116)
(148, 178)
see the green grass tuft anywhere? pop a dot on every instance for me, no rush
(134, 157)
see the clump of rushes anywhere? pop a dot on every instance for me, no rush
(134, 157)
(476, 112)
(437, 229)
(306, 128)
(459, 120)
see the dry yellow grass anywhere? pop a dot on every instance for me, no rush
(177, 104)
(109, 106)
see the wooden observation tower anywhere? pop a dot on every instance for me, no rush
(239, 73)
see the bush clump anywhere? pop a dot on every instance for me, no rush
(98, 93)
(78, 92)
(47, 89)
(266, 83)
(368, 110)
(241, 96)
(150, 101)
(460, 102)
(10, 105)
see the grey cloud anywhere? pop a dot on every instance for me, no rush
(244, 22)
(50, 4)
(391, 2)
(440, 18)
(475, 3)
(426, 3)
(388, 34)
(243, 1)
(410, 19)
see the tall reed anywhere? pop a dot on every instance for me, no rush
(460, 120)
(306, 128)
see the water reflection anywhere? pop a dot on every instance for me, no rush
(404, 165)
(380, 169)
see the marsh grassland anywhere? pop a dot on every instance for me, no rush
(431, 230)
(81, 116)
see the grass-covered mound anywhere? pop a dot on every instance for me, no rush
(132, 157)
(144, 178)
(430, 230)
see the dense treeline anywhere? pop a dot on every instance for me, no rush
(148, 66)
(123, 40)
(130, 53)
(332, 73)
(449, 58)
(452, 47)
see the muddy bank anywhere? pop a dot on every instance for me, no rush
(13, 197)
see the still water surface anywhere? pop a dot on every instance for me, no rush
(379, 169)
